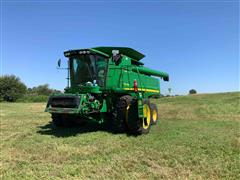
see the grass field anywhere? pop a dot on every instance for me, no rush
(198, 137)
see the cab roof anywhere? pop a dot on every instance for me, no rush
(123, 50)
(107, 51)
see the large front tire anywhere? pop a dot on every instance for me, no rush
(66, 120)
(135, 124)
(57, 120)
(125, 116)
(118, 122)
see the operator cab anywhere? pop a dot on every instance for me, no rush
(86, 68)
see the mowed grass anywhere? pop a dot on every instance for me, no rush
(197, 137)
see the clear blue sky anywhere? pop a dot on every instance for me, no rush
(197, 43)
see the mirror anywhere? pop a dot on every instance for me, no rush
(59, 63)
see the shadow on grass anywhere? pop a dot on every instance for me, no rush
(73, 130)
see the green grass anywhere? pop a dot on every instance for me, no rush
(197, 137)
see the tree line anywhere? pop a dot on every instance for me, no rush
(13, 89)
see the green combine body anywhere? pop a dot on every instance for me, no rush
(111, 85)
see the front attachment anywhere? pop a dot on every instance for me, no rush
(65, 104)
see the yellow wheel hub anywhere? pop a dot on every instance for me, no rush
(154, 116)
(147, 116)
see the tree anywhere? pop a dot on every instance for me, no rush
(169, 90)
(42, 90)
(11, 88)
(192, 91)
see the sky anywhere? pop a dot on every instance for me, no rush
(196, 42)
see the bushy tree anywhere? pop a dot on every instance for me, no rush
(11, 88)
(192, 91)
(42, 90)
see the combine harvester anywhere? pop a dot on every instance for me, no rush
(108, 84)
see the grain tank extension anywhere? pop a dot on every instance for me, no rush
(108, 85)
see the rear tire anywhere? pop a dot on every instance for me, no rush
(154, 113)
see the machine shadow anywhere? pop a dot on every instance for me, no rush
(73, 130)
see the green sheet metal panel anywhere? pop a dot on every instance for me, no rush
(122, 79)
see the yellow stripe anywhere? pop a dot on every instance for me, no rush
(146, 90)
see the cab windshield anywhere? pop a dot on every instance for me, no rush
(88, 68)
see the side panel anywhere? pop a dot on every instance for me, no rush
(122, 78)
